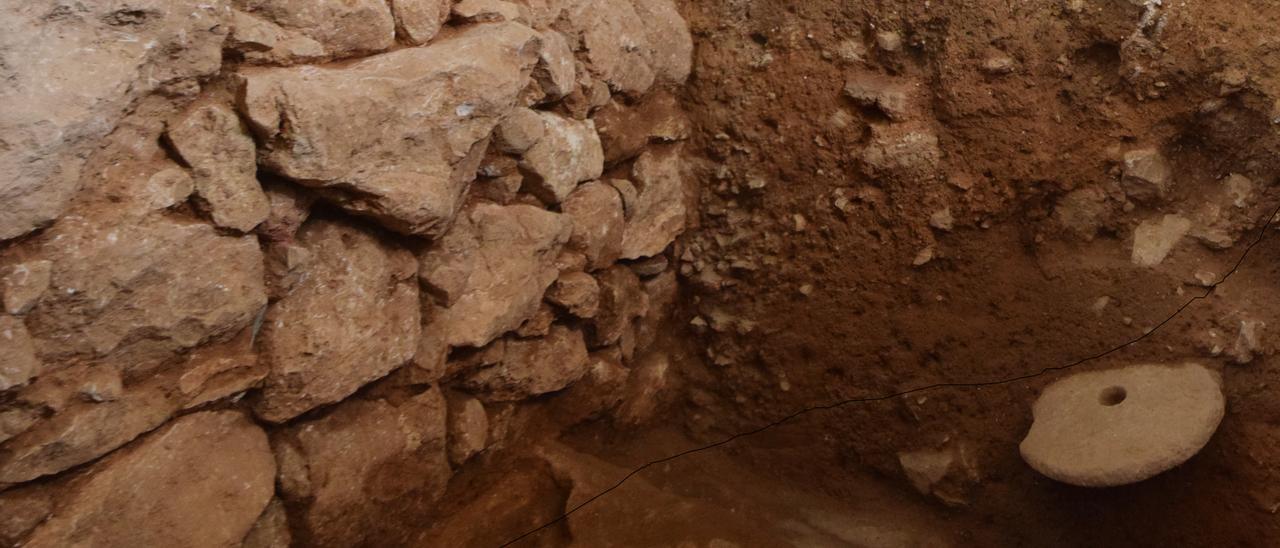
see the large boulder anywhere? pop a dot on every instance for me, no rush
(567, 152)
(83, 412)
(353, 318)
(615, 41)
(271, 530)
(211, 139)
(531, 367)
(95, 59)
(341, 28)
(656, 212)
(669, 37)
(576, 292)
(138, 291)
(255, 40)
(557, 71)
(418, 21)
(362, 474)
(396, 137)
(599, 223)
(492, 270)
(200, 481)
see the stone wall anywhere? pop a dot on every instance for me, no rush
(278, 269)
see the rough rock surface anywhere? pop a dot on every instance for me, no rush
(661, 291)
(362, 134)
(909, 151)
(228, 210)
(892, 97)
(567, 153)
(271, 530)
(622, 301)
(657, 215)
(642, 395)
(1147, 175)
(520, 129)
(289, 208)
(89, 63)
(140, 289)
(1083, 211)
(556, 72)
(519, 495)
(342, 28)
(23, 284)
(599, 223)
(947, 473)
(147, 495)
(468, 428)
(359, 471)
(259, 41)
(599, 391)
(352, 319)
(486, 11)
(219, 371)
(576, 292)
(615, 40)
(211, 139)
(1121, 426)
(531, 367)
(75, 429)
(493, 269)
(20, 363)
(1154, 239)
(418, 21)
(625, 130)
(669, 36)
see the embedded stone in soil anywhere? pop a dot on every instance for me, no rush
(1107, 428)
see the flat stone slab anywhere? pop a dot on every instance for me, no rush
(1107, 428)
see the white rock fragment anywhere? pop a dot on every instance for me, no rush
(888, 95)
(998, 65)
(889, 41)
(923, 257)
(23, 284)
(946, 474)
(1240, 189)
(1249, 342)
(942, 220)
(1147, 175)
(1153, 240)
(18, 361)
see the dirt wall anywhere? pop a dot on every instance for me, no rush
(897, 194)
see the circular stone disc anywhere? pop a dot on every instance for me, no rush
(1121, 426)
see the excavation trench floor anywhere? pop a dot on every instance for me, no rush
(714, 498)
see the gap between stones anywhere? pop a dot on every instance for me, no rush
(1270, 220)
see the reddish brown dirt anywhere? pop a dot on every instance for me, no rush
(1010, 290)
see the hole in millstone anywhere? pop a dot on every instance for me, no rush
(1112, 395)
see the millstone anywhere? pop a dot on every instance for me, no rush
(1107, 428)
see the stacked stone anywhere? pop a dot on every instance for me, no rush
(277, 267)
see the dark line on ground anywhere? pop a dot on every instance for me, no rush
(1009, 380)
